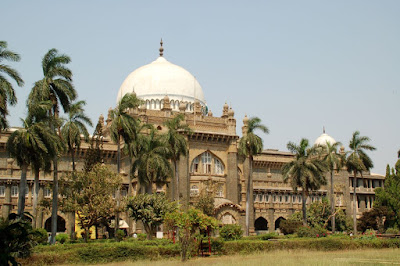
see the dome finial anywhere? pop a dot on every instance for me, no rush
(323, 129)
(161, 48)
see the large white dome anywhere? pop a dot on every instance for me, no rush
(323, 139)
(154, 81)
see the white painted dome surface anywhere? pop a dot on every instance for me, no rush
(160, 78)
(323, 139)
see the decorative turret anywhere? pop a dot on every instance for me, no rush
(231, 121)
(225, 110)
(109, 116)
(245, 125)
(210, 113)
(166, 104)
(182, 107)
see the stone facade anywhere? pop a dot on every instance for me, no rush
(212, 165)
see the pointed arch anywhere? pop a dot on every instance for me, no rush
(207, 163)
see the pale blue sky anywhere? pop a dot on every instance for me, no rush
(298, 65)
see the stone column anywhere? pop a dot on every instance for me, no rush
(7, 200)
(184, 181)
(232, 179)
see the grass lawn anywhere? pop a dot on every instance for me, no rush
(290, 257)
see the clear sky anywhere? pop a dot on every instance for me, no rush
(298, 65)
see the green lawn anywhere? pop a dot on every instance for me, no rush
(290, 257)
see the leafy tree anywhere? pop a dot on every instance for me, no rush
(16, 240)
(7, 92)
(250, 145)
(205, 203)
(188, 222)
(178, 146)
(122, 128)
(75, 127)
(334, 161)
(378, 218)
(150, 209)
(306, 171)
(89, 195)
(152, 164)
(388, 196)
(56, 87)
(94, 154)
(357, 162)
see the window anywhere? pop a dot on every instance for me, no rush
(220, 191)
(260, 197)
(195, 165)
(293, 199)
(47, 192)
(14, 191)
(124, 192)
(267, 198)
(194, 190)
(2, 191)
(26, 191)
(219, 168)
(206, 160)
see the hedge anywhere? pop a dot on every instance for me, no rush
(104, 252)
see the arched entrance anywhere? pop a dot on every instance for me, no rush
(60, 224)
(261, 224)
(278, 222)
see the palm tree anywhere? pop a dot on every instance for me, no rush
(358, 162)
(178, 146)
(38, 114)
(152, 163)
(7, 93)
(249, 145)
(25, 145)
(306, 171)
(56, 86)
(75, 127)
(122, 127)
(334, 160)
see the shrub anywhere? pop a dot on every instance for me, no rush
(231, 232)
(119, 235)
(306, 231)
(141, 236)
(270, 236)
(40, 236)
(289, 226)
(62, 238)
(392, 231)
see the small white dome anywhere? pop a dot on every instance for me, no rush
(160, 78)
(323, 139)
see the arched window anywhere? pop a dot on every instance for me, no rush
(157, 104)
(147, 104)
(207, 163)
(172, 105)
(153, 104)
(206, 160)
(219, 168)
(195, 165)
(194, 190)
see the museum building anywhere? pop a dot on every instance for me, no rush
(212, 165)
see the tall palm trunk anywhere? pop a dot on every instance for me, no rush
(176, 192)
(355, 203)
(332, 205)
(249, 195)
(72, 158)
(54, 206)
(35, 197)
(304, 205)
(22, 189)
(118, 190)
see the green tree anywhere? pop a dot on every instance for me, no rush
(388, 196)
(123, 128)
(250, 145)
(94, 154)
(357, 162)
(7, 92)
(24, 145)
(75, 127)
(305, 171)
(188, 223)
(176, 140)
(56, 87)
(205, 203)
(150, 209)
(334, 161)
(16, 240)
(152, 164)
(89, 195)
